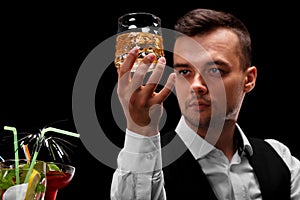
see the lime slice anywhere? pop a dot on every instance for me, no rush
(52, 167)
(33, 181)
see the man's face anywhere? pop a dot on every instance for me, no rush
(210, 81)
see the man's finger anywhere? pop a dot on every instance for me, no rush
(139, 75)
(128, 62)
(156, 74)
(166, 91)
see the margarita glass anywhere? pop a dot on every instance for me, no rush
(58, 176)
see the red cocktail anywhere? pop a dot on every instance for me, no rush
(58, 176)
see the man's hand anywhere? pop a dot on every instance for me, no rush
(141, 104)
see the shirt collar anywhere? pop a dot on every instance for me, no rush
(200, 147)
(243, 142)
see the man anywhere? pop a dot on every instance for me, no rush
(216, 160)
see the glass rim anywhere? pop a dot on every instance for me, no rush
(19, 159)
(139, 13)
(23, 160)
(12, 161)
(62, 164)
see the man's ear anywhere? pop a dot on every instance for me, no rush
(250, 79)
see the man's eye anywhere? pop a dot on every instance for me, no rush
(183, 72)
(214, 70)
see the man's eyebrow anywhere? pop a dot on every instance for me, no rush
(186, 65)
(207, 64)
(217, 63)
(177, 65)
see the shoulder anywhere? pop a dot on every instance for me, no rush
(276, 145)
(280, 148)
(284, 152)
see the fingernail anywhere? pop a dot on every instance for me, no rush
(162, 60)
(133, 51)
(151, 57)
(173, 76)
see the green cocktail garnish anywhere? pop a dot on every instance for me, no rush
(8, 176)
(52, 167)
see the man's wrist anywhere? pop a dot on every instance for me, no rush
(137, 143)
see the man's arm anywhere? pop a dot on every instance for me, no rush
(139, 174)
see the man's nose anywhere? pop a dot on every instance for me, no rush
(198, 84)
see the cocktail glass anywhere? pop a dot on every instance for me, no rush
(13, 183)
(58, 176)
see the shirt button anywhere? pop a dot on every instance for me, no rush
(149, 156)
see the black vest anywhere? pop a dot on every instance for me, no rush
(184, 178)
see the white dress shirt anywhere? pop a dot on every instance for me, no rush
(139, 174)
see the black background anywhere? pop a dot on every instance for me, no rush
(44, 44)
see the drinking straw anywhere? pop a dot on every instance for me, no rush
(59, 131)
(43, 132)
(14, 130)
(26, 152)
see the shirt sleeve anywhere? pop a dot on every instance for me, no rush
(293, 164)
(139, 174)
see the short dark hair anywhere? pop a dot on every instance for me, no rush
(200, 21)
